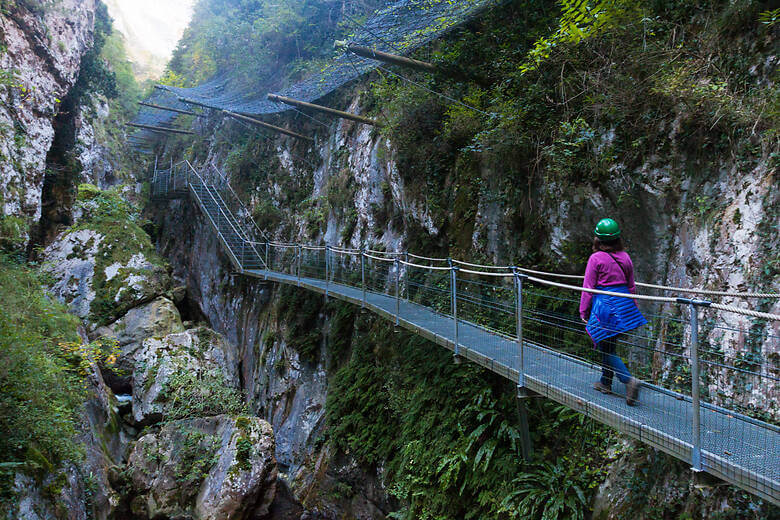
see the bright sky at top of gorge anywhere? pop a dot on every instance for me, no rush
(151, 29)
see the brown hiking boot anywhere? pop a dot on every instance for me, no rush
(632, 392)
(601, 387)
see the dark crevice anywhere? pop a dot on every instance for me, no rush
(190, 310)
(60, 180)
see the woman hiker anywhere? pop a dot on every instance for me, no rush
(608, 317)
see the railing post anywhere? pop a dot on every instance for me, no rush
(397, 294)
(519, 326)
(696, 452)
(298, 264)
(363, 276)
(327, 270)
(454, 298)
(242, 259)
(694, 305)
(267, 267)
(406, 285)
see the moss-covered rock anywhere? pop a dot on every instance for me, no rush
(105, 264)
(190, 468)
(189, 374)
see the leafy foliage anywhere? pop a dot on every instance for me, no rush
(299, 310)
(198, 453)
(40, 388)
(262, 42)
(194, 393)
(448, 434)
(94, 73)
(547, 492)
(580, 19)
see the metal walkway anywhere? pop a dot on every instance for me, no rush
(734, 447)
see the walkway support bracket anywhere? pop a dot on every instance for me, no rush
(320, 108)
(263, 124)
(169, 109)
(393, 59)
(162, 129)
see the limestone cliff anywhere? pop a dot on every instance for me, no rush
(42, 46)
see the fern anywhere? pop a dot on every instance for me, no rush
(549, 492)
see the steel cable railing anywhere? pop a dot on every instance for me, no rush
(709, 383)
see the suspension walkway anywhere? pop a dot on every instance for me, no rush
(520, 333)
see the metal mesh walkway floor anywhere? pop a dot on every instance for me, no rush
(734, 447)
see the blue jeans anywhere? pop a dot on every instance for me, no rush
(611, 363)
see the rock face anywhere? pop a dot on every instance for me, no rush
(95, 158)
(105, 264)
(215, 468)
(71, 262)
(196, 351)
(76, 257)
(42, 59)
(157, 318)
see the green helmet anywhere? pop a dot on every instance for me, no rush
(607, 229)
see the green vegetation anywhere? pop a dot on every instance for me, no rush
(13, 234)
(270, 42)
(447, 434)
(299, 311)
(581, 98)
(119, 224)
(193, 393)
(95, 76)
(42, 387)
(198, 452)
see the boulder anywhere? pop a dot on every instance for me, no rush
(155, 319)
(199, 352)
(214, 468)
(99, 279)
(70, 261)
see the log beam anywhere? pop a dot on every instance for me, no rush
(320, 108)
(198, 103)
(160, 129)
(393, 59)
(263, 124)
(170, 109)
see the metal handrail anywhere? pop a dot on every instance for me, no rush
(263, 234)
(224, 215)
(214, 224)
(234, 219)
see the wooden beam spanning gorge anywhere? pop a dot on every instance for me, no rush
(320, 108)
(170, 109)
(160, 129)
(263, 124)
(393, 59)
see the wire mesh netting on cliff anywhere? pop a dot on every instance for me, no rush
(398, 28)
(141, 138)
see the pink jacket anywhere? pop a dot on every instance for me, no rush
(604, 271)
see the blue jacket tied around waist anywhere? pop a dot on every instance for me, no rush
(613, 315)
